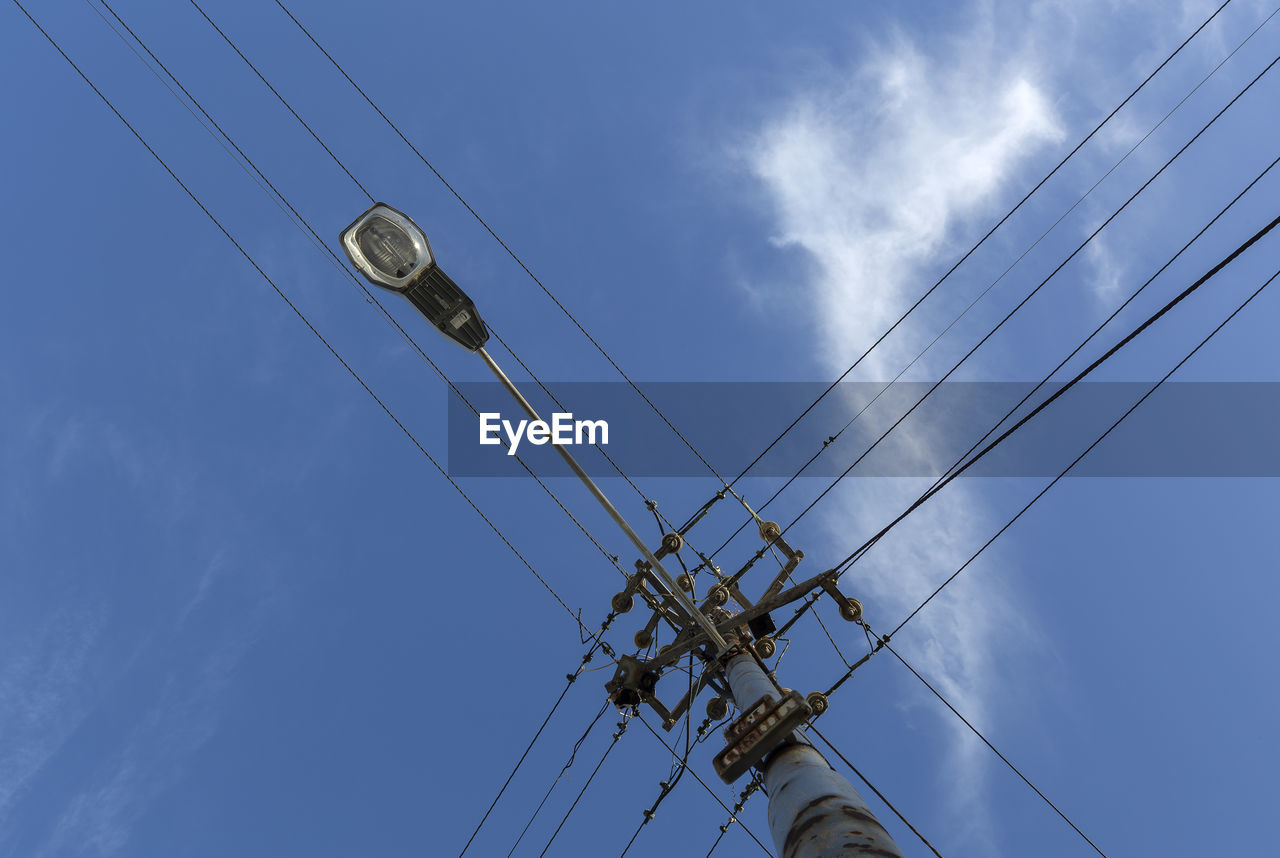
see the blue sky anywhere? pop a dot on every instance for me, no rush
(241, 614)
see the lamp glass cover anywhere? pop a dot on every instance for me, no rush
(387, 247)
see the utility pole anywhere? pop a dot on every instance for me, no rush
(814, 812)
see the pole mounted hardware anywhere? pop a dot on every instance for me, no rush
(761, 728)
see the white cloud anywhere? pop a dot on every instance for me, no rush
(872, 176)
(877, 176)
(43, 697)
(1107, 272)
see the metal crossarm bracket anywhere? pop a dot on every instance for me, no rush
(687, 641)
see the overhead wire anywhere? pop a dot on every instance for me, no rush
(304, 224)
(570, 680)
(986, 236)
(883, 640)
(649, 503)
(1270, 226)
(969, 458)
(993, 748)
(283, 101)
(613, 559)
(503, 244)
(298, 312)
(597, 637)
(666, 787)
(743, 798)
(622, 729)
(935, 385)
(573, 755)
(983, 240)
(830, 440)
(708, 789)
(228, 235)
(872, 787)
(965, 462)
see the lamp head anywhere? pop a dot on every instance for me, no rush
(387, 247)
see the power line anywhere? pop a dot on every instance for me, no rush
(573, 755)
(1095, 443)
(1033, 292)
(503, 244)
(304, 319)
(872, 787)
(649, 503)
(950, 473)
(974, 248)
(994, 750)
(283, 101)
(452, 386)
(738, 805)
(570, 680)
(1107, 321)
(988, 234)
(962, 465)
(622, 729)
(709, 790)
(299, 220)
(349, 173)
(668, 786)
(884, 639)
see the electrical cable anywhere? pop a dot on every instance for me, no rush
(1150, 320)
(520, 262)
(1087, 450)
(668, 786)
(622, 728)
(304, 319)
(1032, 293)
(709, 790)
(975, 247)
(283, 101)
(568, 764)
(994, 750)
(961, 463)
(571, 679)
(830, 440)
(302, 223)
(989, 233)
(884, 639)
(453, 387)
(951, 472)
(1105, 322)
(738, 805)
(872, 787)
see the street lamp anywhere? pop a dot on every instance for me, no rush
(389, 249)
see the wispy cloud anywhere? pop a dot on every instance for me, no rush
(53, 681)
(42, 694)
(877, 174)
(98, 820)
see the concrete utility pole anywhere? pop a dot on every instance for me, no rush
(814, 812)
